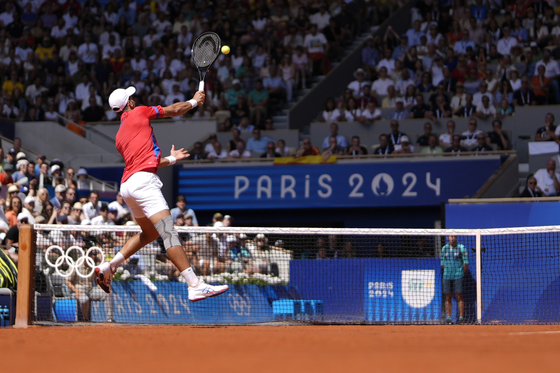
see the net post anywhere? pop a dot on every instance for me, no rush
(478, 278)
(26, 276)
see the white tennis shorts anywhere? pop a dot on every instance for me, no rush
(142, 193)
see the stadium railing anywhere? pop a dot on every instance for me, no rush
(367, 276)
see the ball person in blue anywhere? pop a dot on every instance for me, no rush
(454, 264)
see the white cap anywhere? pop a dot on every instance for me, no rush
(260, 236)
(22, 162)
(21, 155)
(119, 98)
(405, 139)
(54, 168)
(231, 238)
(29, 199)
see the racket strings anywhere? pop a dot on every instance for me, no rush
(206, 50)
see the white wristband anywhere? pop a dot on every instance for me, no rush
(193, 103)
(171, 159)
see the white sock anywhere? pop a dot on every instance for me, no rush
(189, 275)
(117, 261)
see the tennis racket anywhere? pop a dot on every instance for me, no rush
(205, 50)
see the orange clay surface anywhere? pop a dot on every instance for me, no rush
(114, 348)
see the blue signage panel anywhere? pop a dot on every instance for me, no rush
(133, 302)
(372, 290)
(502, 215)
(334, 185)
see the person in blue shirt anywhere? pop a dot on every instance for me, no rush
(454, 264)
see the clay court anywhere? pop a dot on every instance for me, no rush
(281, 349)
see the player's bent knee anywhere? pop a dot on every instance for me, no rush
(167, 232)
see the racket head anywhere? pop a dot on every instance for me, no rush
(206, 49)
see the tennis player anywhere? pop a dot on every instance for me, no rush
(141, 188)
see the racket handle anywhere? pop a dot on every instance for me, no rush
(201, 86)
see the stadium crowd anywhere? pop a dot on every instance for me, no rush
(476, 59)
(63, 58)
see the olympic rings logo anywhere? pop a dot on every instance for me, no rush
(73, 265)
(240, 304)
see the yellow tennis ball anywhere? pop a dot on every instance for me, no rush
(225, 49)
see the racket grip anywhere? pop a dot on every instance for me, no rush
(201, 86)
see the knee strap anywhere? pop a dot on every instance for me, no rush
(167, 232)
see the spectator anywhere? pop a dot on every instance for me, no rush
(175, 95)
(198, 152)
(483, 91)
(390, 100)
(540, 85)
(440, 109)
(6, 175)
(469, 136)
(59, 196)
(370, 114)
(88, 51)
(356, 85)
(91, 209)
(485, 109)
(399, 112)
(301, 63)
(380, 85)
(105, 217)
(547, 179)
(258, 102)
(545, 133)
(270, 151)
(468, 109)
(217, 152)
(385, 146)
(455, 264)
(482, 145)
(274, 85)
(524, 96)
(27, 211)
(420, 110)
(94, 112)
(258, 143)
(370, 55)
(341, 140)
(355, 147)
(532, 189)
(497, 136)
(424, 139)
(404, 147)
(307, 149)
(317, 48)
(395, 136)
(281, 148)
(119, 205)
(239, 111)
(181, 210)
(240, 151)
(507, 42)
(552, 72)
(245, 126)
(456, 146)
(432, 147)
(330, 113)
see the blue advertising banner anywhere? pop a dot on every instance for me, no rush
(372, 290)
(421, 183)
(502, 215)
(403, 290)
(133, 302)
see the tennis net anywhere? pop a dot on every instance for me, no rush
(303, 275)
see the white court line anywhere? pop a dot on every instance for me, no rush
(543, 332)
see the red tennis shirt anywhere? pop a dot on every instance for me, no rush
(136, 141)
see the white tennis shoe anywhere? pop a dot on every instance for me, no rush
(203, 291)
(104, 275)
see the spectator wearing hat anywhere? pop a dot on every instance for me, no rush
(59, 194)
(75, 216)
(11, 157)
(356, 85)
(22, 177)
(56, 173)
(82, 176)
(27, 211)
(228, 220)
(217, 220)
(181, 209)
(404, 147)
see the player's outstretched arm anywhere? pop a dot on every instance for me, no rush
(176, 155)
(180, 108)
